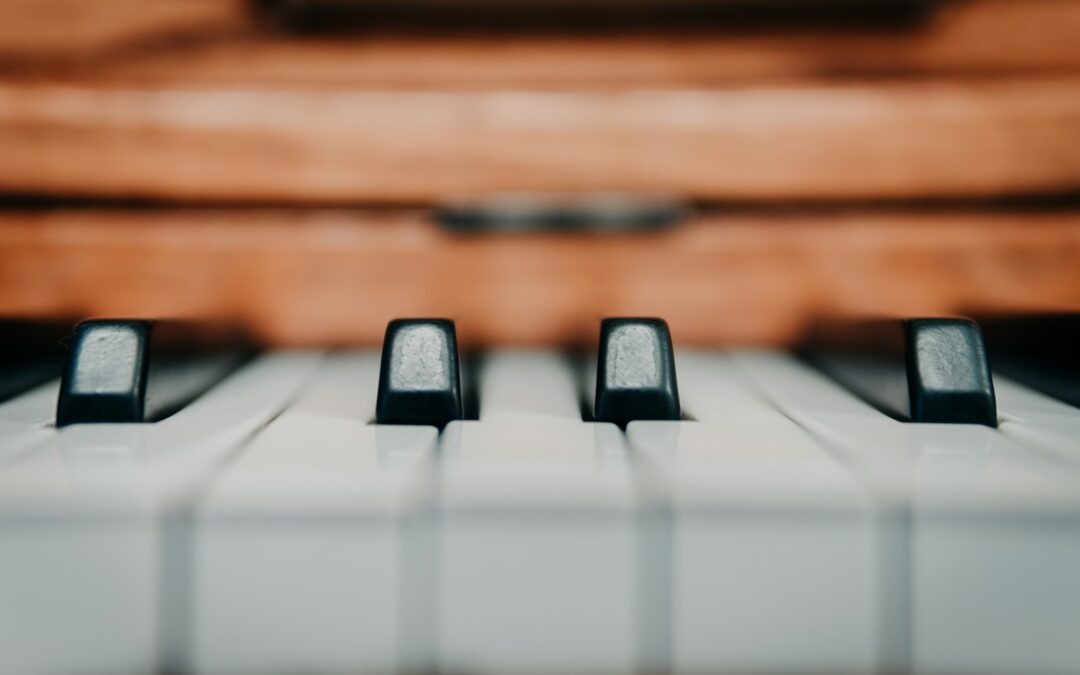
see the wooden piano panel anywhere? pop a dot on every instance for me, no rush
(980, 99)
(892, 140)
(337, 276)
(927, 167)
(227, 40)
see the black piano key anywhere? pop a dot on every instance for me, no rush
(635, 372)
(130, 370)
(917, 370)
(1040, 351)
(106, 373)
(31, 353)
(419, 376)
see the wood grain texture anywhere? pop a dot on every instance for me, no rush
(197, 100)
(48, 28)
(902, 140)
(337, 277)
(222, 41)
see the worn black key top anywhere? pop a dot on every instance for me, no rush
(635, 372)
(1041, 351)
(31, 353)
(419, 377)
(917, 370)
(129, 370)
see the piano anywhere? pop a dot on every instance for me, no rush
(880, 501)
(539, 337)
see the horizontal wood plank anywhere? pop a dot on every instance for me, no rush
(910, 140)
(31, 29)
(223, 41)
(337, 277)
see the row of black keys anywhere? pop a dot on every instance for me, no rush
(922, 370)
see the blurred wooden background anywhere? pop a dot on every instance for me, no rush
(266, 163)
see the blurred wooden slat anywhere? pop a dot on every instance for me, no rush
(980, 38)
(48, 28)
(196, 100)
(323, 277)
(220, 41)
(905, 140)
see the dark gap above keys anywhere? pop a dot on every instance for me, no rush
(32, 353)
(1041, 351)
(1051, 201)
(929, 370)
(132, 370)
(349, 17)
(471, 399)
(584, 367)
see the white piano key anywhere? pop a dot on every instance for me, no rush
(36, 407)
(26, 420)
(81, 525)
(768, 531)
(1037, 420)
(797, 388)
(528, 385)
(995, 589)
(713, 389)
(993, 535)
(343, 388)
(296, 545)
(535, 517)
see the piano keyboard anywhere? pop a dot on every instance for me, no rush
(686, 511)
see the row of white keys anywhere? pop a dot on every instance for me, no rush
(993, 527)
(81, 517)
(296, 545)
(772, 540)
(539, 544)
(536, 537)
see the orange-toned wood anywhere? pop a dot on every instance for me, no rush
(901, 140)
(333, 277)
(221, 41)
(42, 28)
